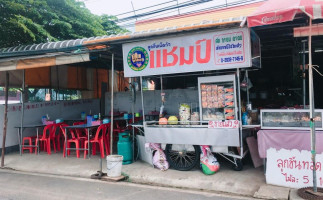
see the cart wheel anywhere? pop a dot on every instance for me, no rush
(238, 166)
(183, 157)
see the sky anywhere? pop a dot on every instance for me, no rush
(121, 6)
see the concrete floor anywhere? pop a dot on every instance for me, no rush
(248, 182)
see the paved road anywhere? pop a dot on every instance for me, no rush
(25, 186)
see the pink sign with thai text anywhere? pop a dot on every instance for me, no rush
(224, 124)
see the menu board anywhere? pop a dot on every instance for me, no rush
(217, 100)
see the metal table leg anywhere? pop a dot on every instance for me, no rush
(37, 139)
(133, 144)
(100, 164)
(65, 142)
(20, 142)
(88, 144)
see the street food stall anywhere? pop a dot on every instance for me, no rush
(219, 125)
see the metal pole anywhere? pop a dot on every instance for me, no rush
(88, 143)
(133, 120)
(66, 143)
(161, 84)
(37, 132)
(239, 112)
(162, 97)
(112, 86)
(311, 99)
(248, 101)
(5, 120)
(22, 108)
(142, 100)
(304, 76)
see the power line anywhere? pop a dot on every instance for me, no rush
(181, 5)
(147, 17)
(145, 8)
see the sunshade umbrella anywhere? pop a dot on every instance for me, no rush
(277, 11)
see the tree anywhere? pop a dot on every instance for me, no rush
(39, 21)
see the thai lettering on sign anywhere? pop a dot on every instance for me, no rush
(292, 168)
(190, 53)
(224, 124)
(229, 48)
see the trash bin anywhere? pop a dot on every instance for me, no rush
(114, 165)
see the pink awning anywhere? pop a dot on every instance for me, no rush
(277, 11)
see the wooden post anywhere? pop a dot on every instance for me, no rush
(5, 119)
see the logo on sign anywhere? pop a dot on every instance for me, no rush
(267, 20)
(137, 58)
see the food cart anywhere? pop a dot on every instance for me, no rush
(227, 51)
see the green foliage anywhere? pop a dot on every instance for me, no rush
(38, 21)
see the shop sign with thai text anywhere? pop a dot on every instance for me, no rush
(293, 168)
(224, 124)
(191, 53)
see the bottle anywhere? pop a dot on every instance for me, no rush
(99, 116)
(44, 119)
(245, 118)
(249, 121)
(89, 120)
(83, 115)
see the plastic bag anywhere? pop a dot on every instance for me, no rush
(208, 162)
(246, 83)
(159, 157)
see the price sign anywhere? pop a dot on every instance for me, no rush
(292, 168)
(224, 124)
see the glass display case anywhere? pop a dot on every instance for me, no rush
(217, 97)
(289, 119)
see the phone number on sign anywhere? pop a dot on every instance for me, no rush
(231, 59)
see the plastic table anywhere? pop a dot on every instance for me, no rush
(87, 127)
(20, 135)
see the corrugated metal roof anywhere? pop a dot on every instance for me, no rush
(49, 46)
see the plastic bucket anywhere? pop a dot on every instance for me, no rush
(114, 165)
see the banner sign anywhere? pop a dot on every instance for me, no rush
(224, 124)
(191, 53)
(292, 168)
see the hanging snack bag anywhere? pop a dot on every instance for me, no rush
(195, 117)
(208, 162)
(229, 104)
(228, 97)
(229, 90)
(185, 113)
(159, 157)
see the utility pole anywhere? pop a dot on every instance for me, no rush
(134, 12)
